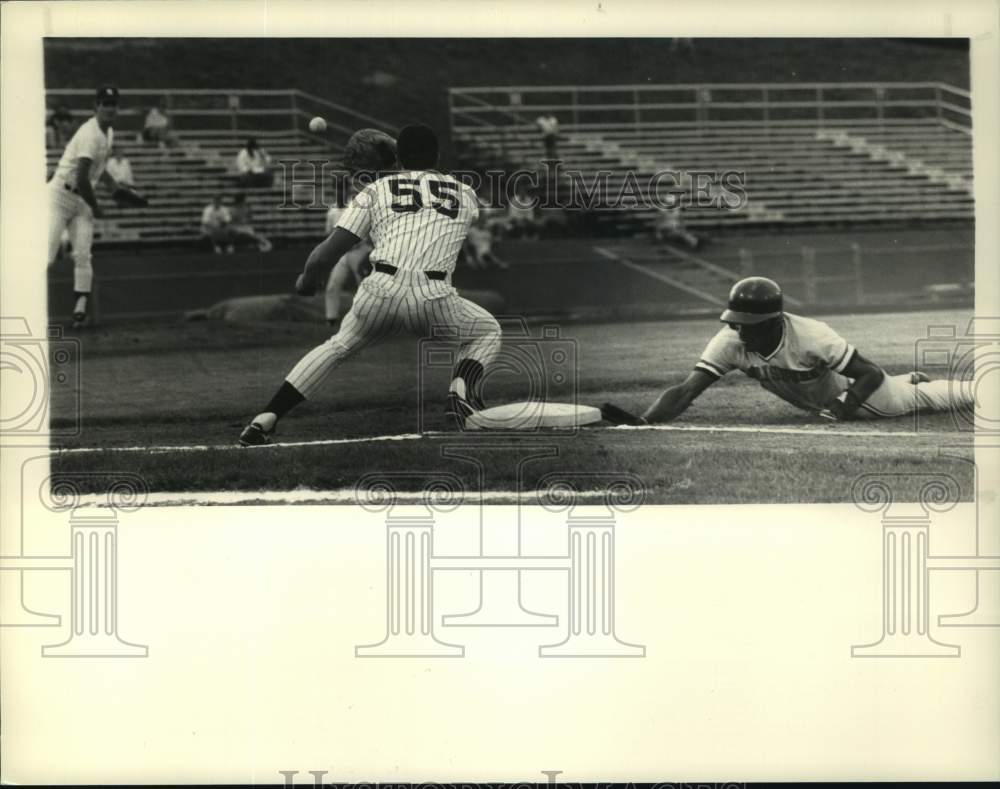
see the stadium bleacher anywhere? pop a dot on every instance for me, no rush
(809, 153)
(828, 169)
(793, 174)
(179, 182)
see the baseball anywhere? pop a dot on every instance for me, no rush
(317, 125)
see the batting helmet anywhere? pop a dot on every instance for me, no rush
(371, 151)
(753, 300)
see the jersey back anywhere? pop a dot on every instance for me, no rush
(417, 220)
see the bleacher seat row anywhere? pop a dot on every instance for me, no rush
(180, 181)
(794, 174)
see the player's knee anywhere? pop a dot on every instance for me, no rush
(81, 260)
(492, 328)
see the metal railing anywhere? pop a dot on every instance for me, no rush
(225, 110)
(862, 274)
(597, 107)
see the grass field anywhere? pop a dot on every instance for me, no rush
(185, 385)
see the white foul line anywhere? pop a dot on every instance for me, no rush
(278, 445)
(793, 431)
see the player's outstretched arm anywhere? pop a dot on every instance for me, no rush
(323, 258)
(867, 377)
(675, 400)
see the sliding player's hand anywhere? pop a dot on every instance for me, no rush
(619, 416)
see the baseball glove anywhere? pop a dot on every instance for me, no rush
(619, 416)
(128, 197)
(369, 151)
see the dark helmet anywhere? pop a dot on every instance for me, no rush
(753, 300)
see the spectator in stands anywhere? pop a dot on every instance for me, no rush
(241, 225)
(120, 168)
(156, 128)
(59, 126)
(479, 246)
(549, 126)
(51, 135)
(215, 226)
(253, 164)
(669, 227)
(495, 219)
(520, 222)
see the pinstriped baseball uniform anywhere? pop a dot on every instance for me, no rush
(417, 222)
(806, 370)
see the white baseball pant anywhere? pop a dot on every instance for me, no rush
(897, 396)
(386, 305)
(68, 211)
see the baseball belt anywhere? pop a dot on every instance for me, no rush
(385, 268)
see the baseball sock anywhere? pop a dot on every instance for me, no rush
(465, 381)
(284, 400)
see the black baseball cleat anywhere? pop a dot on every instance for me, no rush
(254, 435)
(79, 320)
(458, 410)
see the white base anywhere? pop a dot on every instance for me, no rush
(532, 416)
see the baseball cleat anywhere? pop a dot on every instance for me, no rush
(79, 320)
(917, 377)
(458, 410)
(254, 435)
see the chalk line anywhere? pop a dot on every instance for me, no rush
(766, 430)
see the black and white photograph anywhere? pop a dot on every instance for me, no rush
(731, 270)
(330, 330)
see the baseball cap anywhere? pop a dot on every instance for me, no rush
(106, 94)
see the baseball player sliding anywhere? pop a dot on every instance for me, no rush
(802, 361)
(417, 220)
(72, 199)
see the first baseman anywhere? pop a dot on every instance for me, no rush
(417, 219)
(802, 361)
(72, 202)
